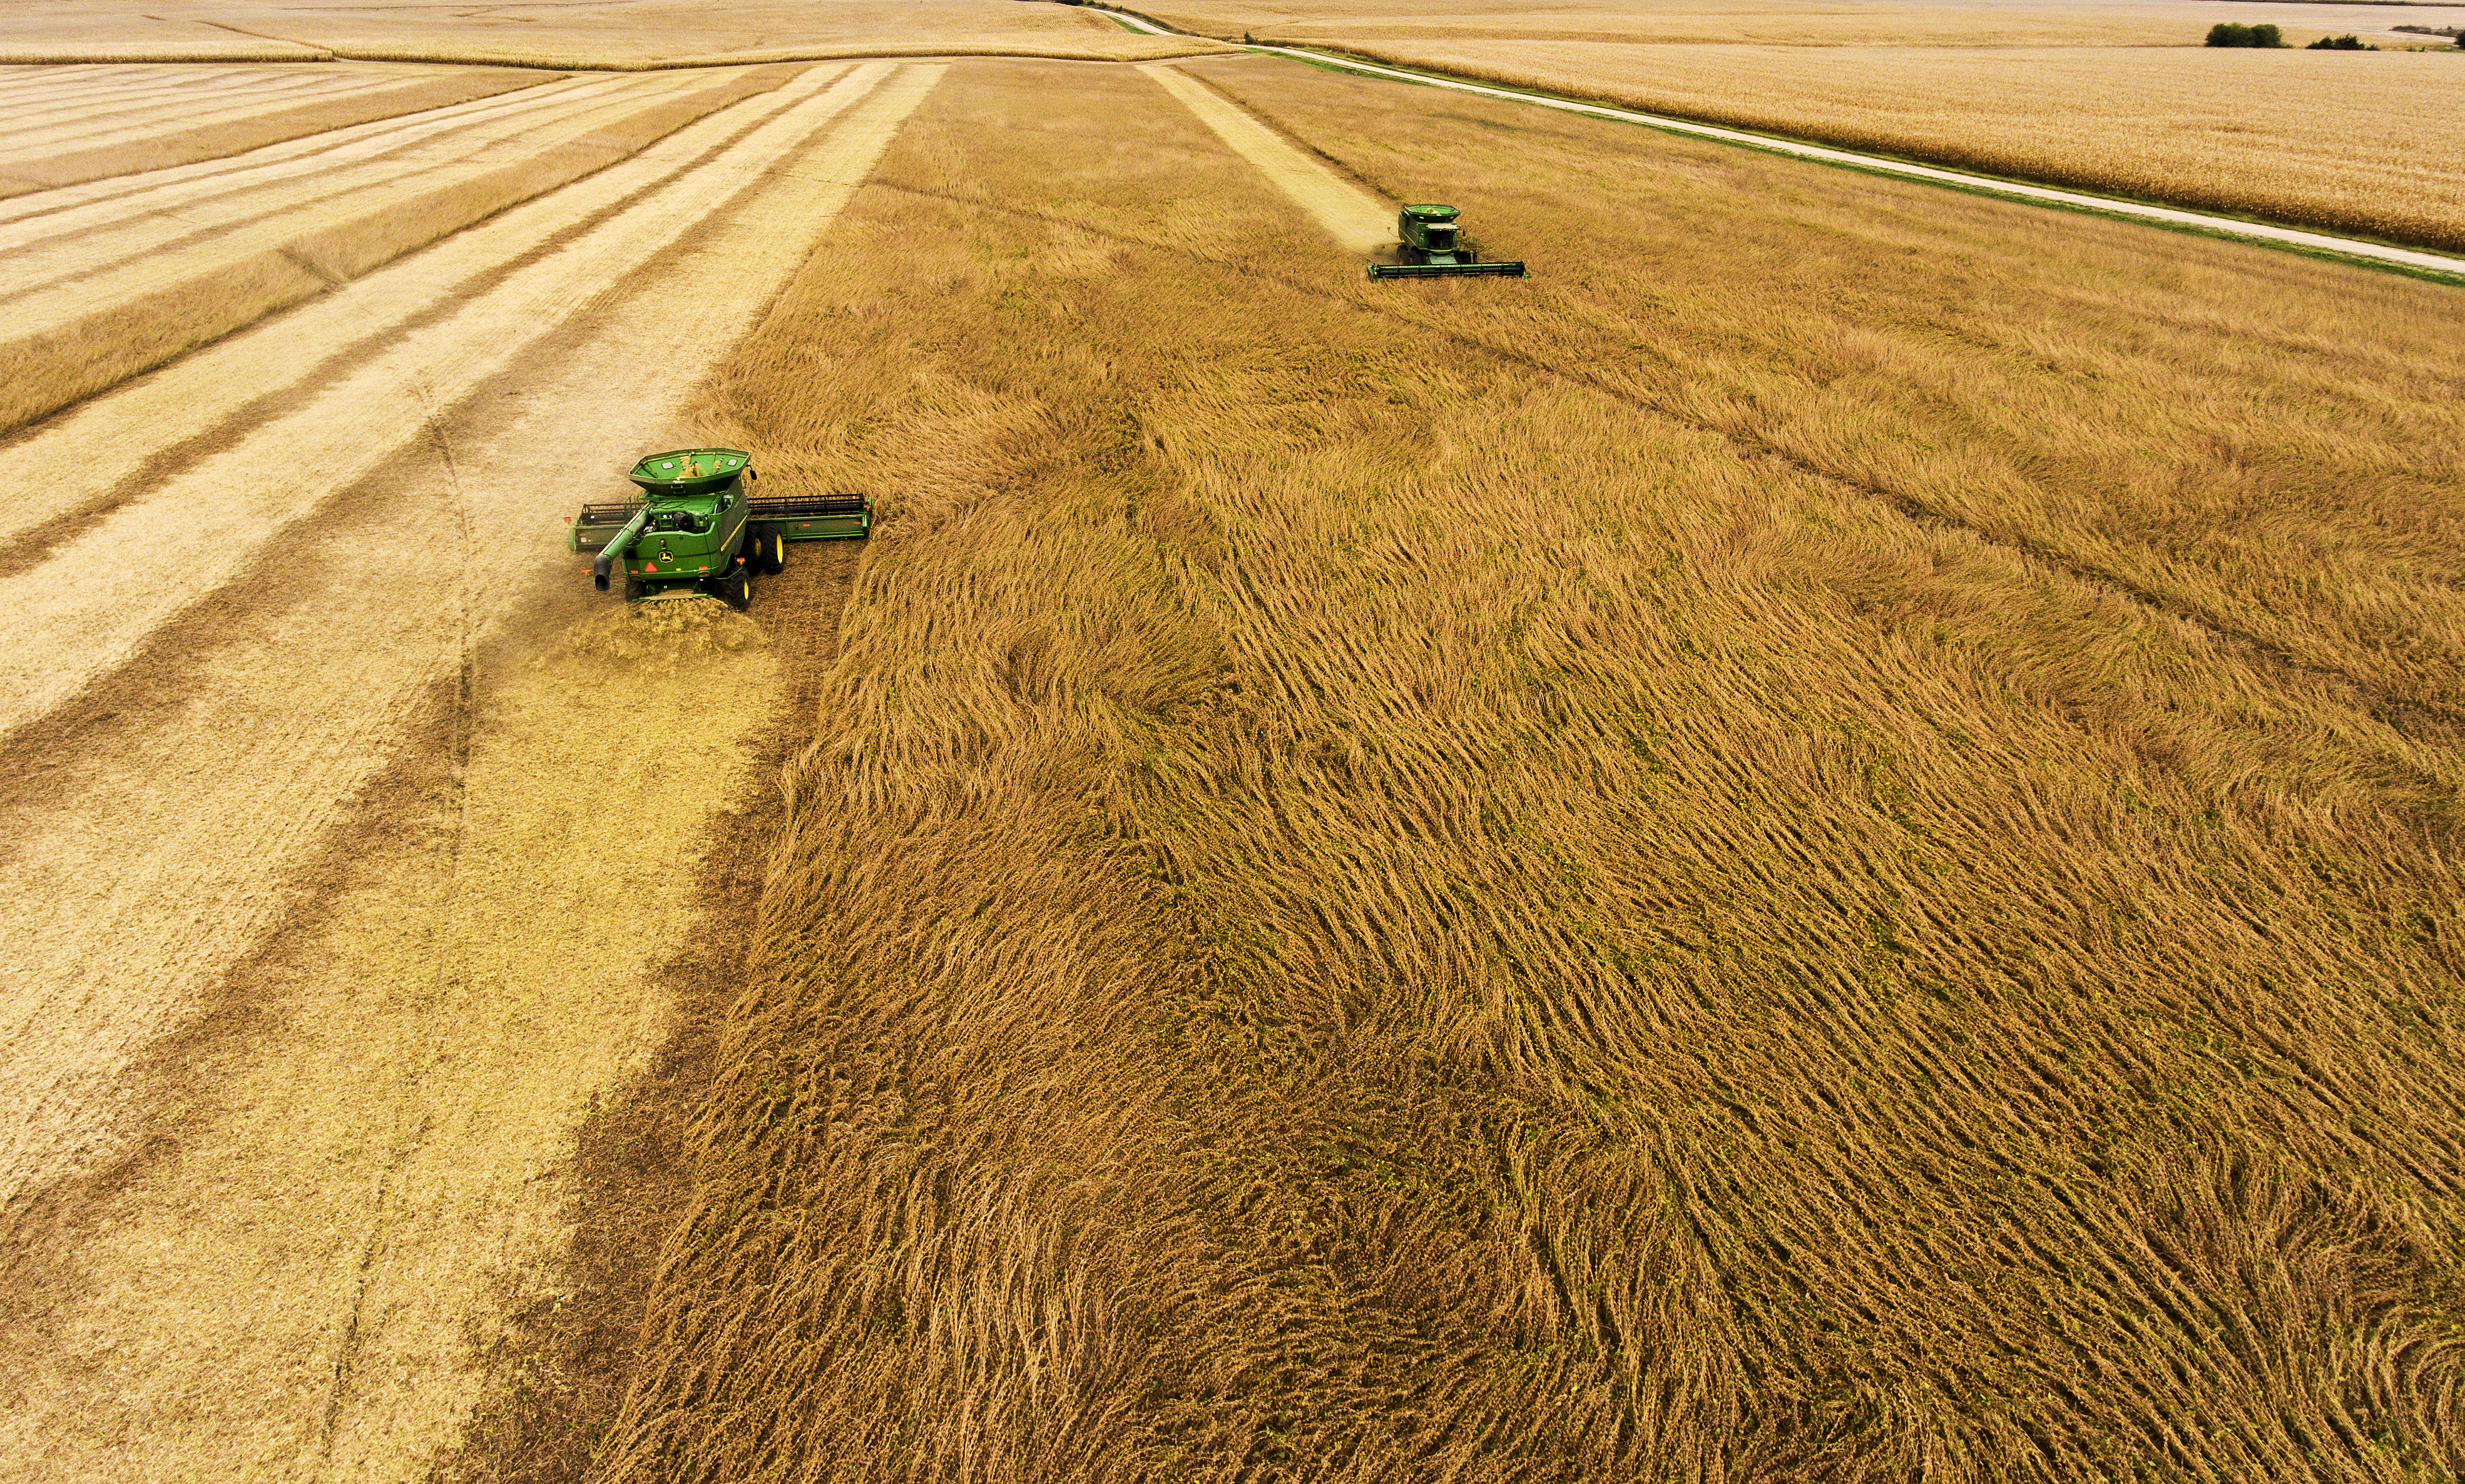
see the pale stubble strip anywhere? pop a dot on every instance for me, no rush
(91, 274)
(174, 184)
(70, 1018)
(1357, 220)
(227, 504)
(54, 215)
(83, 455)
(206, 1339)
(171, 117)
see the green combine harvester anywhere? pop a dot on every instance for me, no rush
(1433, 249)
(699, 529)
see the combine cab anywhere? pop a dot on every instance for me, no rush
(1433, 249)
(697, 527)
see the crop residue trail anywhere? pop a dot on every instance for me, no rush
(302, 1287)
(173, 114)
(171, 201)
(49, 286)
(227, 504)
(353, 134)
(86, 456)
(1351, 215)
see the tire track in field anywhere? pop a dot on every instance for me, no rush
(41, 220)
(167, 187)
(1358, 221)
(131, 101)
(175, 114)
(282, 746)
(104, 98)
(66, 81)
(92, 273)
(100, 454)
(331, 1248)
(279, 473)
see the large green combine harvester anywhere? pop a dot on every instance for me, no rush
(1434, 247)
(698, 528)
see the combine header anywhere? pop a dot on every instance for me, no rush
(697, 528)
(1433, 249)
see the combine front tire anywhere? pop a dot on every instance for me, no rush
(773, 546)
(736, 588)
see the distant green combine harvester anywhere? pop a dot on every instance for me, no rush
(1433, 249)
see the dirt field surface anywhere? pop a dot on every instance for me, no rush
(266, 1194)
(577, 33)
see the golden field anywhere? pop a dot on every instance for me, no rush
(166, 134)
(1764, 22)
(2300, 137)
(104, 289)
(1820, 844)
(2105, 97)
(313, 719)
(608, 35)
(1816, 23)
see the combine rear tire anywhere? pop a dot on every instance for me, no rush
(633, 589)
(736, 588)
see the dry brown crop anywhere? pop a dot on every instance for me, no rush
(119, 308)
(413, 93)
(2112, 99)
(1816, 23)
(1819, 844)
(623, 35)
(2289, 136)
(269, 1154)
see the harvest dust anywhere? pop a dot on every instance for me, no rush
(659, 636)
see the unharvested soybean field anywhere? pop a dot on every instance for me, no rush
(1819, 844)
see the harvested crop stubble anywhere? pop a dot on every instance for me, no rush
(632, 34)
(1363, 908)
(416, 93)
(42, 132)
(389, 393)
(81, 257)
(1769, 22)
(2298, 137)
(1804, 23)
(55, 368)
